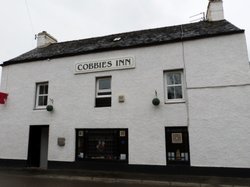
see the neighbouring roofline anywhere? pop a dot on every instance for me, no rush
(135, 39)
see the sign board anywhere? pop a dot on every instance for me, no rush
(3, 97)
(105, 65)
(177, 138)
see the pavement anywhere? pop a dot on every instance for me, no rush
(129, 177)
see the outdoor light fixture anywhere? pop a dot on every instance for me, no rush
(50, 107)
(156, 100)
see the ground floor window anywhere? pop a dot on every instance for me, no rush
(102, 144)
(177, 146)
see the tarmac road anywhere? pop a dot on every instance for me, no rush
(87, 178)
(30, 181)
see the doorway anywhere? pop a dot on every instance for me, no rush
(177, 146)
(38, 146)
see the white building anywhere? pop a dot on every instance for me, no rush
(101, 92)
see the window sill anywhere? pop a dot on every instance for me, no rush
(102, 106)
(39, 108)
(175, 101)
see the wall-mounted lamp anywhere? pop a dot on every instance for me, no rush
(50, 107)
(156, 100)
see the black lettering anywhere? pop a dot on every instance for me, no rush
(85, 66)
(91, 66)
(99, 64)
(79, 67)
(121, 62)
(96, 65)
(103, 64)
(128, 61)
(109, 64)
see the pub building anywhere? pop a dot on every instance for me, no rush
(155, 100)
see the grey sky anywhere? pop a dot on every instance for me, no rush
(78, 19)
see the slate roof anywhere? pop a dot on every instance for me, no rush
(141, 38)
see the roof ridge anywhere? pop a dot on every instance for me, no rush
(128, 32)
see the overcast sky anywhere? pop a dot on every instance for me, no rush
(77, 19)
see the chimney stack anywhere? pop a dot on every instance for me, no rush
(44, 39)
(215, 10)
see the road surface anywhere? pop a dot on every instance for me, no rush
(42, 181)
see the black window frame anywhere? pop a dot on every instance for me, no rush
(83, 154)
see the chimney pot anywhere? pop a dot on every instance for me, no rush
(44, 39)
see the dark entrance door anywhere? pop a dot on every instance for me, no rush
(177, 146)
(38, 146)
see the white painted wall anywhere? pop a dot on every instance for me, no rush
(219, 127)
(218, 77)
(218, 61)
(208, 62)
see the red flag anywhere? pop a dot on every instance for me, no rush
(3, 97)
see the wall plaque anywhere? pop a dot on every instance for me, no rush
(105, 65)
(177, 138)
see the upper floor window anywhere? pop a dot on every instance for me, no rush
(174, 85)
(42, 95)
(103, 92)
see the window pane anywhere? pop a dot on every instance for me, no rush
(177, 78)
(103, 102)
(45, 100)
(40, 100)
(100, 144)
(105, 83)
(46, 89)
(171, 92)
(173, 78)
(170, 79)
(178, 92)
(41, 89)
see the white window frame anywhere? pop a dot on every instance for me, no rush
(38, 86)
(98, 90)
(178, 100)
